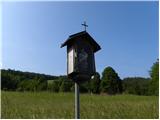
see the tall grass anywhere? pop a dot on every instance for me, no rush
(61, 105)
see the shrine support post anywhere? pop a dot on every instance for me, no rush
(77, 102)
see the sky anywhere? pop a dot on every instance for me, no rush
(127, 32)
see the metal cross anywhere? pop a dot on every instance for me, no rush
(85, 25)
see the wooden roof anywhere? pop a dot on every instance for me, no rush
(71, 39)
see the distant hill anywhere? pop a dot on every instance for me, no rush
(29, 75)
(26, 81)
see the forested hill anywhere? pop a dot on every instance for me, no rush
(25, 81)
(109, 83)
(27, 75)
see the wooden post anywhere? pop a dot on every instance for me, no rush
(77, 106)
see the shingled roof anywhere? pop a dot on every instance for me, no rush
(71, 39)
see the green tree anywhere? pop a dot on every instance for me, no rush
(84, 87)
(26, 85)
(66, 86)
(95, 84)
(136, 85)
(110, 83)
(154, 84)
(8, 81)
(55, 86)
(42, 84)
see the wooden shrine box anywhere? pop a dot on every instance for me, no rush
(80, 56)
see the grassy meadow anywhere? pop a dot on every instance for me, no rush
(61, 105)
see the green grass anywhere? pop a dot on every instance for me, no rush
(61, 105)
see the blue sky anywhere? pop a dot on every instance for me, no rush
(127, 32)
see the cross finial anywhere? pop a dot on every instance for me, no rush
(85, 25)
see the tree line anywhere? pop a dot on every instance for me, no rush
(109, 83)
